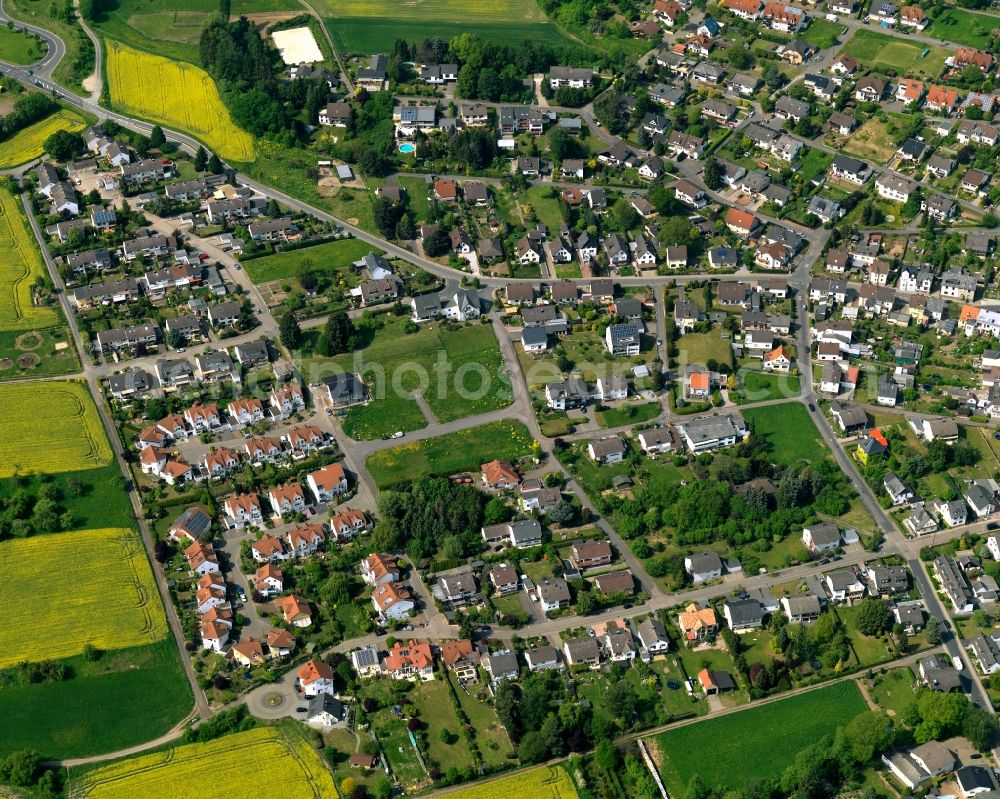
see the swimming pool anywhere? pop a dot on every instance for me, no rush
(407, 148)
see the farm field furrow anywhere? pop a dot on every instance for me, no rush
(177, 95)
(70, 439)
(26, 144)
(549, 782)
(219, 769)
(98, 590)
(20, 265)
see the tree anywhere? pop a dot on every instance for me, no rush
(156, 137)
(562, 512)
(933, 631)
(979, 726)
(712, 174)
(200, 159)
(405, 228)
(215, 165)
(225, 9)
(874, 616)
(532, 748)
(336, 336)
(437, 243)
(63, 145)
(867, 735)
(290, 332)
(387, 215)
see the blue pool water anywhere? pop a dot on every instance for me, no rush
(407, 148)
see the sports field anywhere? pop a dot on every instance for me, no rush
(26, 144)
(758, 743)
(55, 428)
(548, 782)
(175, 94)
(463, 451)
(20, 266)
(369, 26)
(219, 769)
(90, 587)
(878, 51)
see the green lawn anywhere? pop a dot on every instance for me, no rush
(961, 27)
(463, 451)
(416, 195)
(390, 414)
(332, 256)
(629, 414)
(52, 361)
(869, 650)
(78, 59)
(436, 710)
(19, 46)
(757, 743)
(490, 735)
(879, 51)
(595, 478)
(761, 386)
(457, 369)
(93, 497)
(127, 697)
(546, 207)
(822, 33)
(789, 430)
(704, 347)
(893, 691)
(812, 162)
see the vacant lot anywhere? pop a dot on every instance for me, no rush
(20, 47)
(125, 698)
(457, 370)
(704, 347)
(175, 94)
(458, 452)
(761, 386)
(333, 256)
(219, 769)
(822, 33)
(548, 782)
(871, 142)
(369, 26)
(879, 51)
(740, 752)
(98, 590)
(789, 430)
(57, 430)
(21, 266)
(962, 27)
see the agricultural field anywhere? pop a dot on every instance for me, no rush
(69, 439)
(98, 590)
(20, 47)
(26, 144)
(126, 697)
(177, 95)
(458, 371)
(21, 266)
(370, 26)
(789, 430)
(333, 256)
(547, 782)
(172, 27)
(219, 769)
(878, 51)
(740, 752)
(463, 451)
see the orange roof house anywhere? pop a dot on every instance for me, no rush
(446, 190)
(500, 474)
(877, 435)
(699, 382)
(312, 671)
(741, 222)
(294, 610)
(969, 313)
(248, 653)
(697, 622)
(409, 660)
(941, 98)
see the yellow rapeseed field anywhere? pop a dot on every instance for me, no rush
(26, 144)
(277, 760)
(65, 590)
(551, 782)
(57, 429)
(175, 94)
(20, 264)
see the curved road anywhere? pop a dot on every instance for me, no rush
(56, 51)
